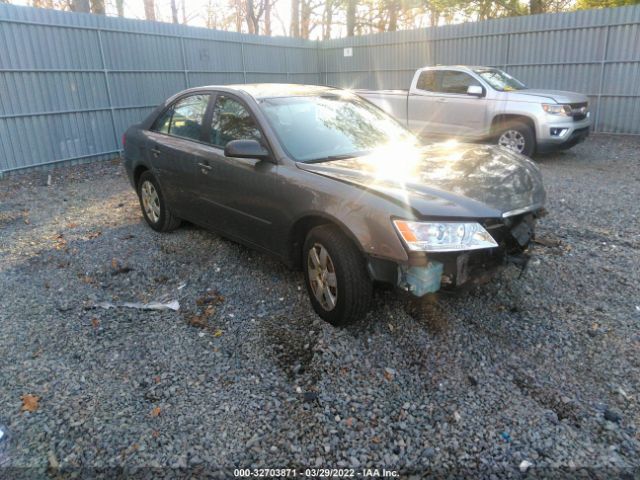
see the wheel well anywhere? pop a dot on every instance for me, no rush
(299, 233)
(503, 119)
(140, 169)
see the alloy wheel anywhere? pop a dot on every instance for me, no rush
(150, 201)
(322, 277)
(513, 140)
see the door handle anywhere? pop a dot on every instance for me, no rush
(204, 167)
(442, 100)
(155, 152)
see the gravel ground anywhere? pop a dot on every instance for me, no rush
(539, 372)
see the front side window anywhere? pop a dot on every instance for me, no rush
(184, 118)
(232, 121)
(455, 82)
(499, 80)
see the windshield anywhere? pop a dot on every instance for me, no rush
(332, 126)
(499, 80)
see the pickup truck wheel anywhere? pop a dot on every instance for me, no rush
(153, 205)
(517, 136)
(336, 276)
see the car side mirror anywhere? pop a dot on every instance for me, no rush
(246, 149)
(475, 91)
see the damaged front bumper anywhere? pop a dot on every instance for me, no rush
(430, 272)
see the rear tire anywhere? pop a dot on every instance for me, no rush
(517, 136)
(153, 205)
(336, 276)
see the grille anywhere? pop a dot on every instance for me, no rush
(579, 110)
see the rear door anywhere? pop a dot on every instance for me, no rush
(172, 149)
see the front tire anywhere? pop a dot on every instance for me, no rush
(517, 136)
(153, 205)
(336, 276)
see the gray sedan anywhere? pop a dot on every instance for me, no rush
(334, 186)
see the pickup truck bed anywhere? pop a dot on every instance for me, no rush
(394, 102)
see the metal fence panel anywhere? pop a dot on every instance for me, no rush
(70, 83)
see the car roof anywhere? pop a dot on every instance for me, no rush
(271, 90)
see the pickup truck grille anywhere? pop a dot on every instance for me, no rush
(579, 110)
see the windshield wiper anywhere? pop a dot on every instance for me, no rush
(330, 158)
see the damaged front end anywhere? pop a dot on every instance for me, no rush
(428, 272)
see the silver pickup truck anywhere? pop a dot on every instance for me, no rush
(484, 103)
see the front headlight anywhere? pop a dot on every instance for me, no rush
(557, 109)
(444, 236)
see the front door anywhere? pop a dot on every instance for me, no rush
(441, 105)
(241, 191)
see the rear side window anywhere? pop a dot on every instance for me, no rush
(427, 81)
(232, 121)
(184, 118)
(455, 82)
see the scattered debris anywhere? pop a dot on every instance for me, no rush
(389, 373)
(159, 306)
(156, 412)
(30, 403)
(310, 397)
(525, 465)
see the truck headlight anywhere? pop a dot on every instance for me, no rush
(443, 236)
(557, 109)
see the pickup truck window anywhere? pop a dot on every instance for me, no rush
(455, 82)
(499, 80)
(328, 127)
(445, 81)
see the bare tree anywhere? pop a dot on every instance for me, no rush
(174, 11)
(82, 6)
(267, 17)
(295, 18)
(351, 17)
(150, 10)
(97, 7)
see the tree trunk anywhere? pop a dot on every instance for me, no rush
(328, 19)
(174, 11)
(251, 18)
(97, 7)
(120, 7)
(536, 6)
(394, 8)
(150, 10)
(267, 18)
(82, 6)
(305, 18)
(295, 18)
(351, 17)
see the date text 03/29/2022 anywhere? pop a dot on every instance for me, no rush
(315, 473)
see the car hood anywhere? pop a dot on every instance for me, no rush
(445, 180)
(560, 96)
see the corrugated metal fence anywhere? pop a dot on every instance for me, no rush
(596, 52)
(70, 84)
